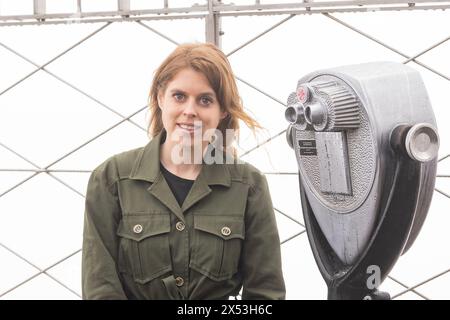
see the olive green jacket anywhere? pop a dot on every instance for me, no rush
(139, 244)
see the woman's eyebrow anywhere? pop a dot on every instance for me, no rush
(207, 93)
(177, 90)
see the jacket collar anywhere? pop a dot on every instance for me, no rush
(146, 166)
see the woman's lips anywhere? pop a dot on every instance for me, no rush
(187, 127)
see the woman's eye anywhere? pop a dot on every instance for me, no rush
(178, 96)
(205, 101)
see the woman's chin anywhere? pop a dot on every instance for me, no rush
(186, 137)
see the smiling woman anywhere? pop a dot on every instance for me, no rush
(188, 107)
(157, 228)
(210, 71)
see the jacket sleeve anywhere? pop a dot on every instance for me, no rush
(100, 279)
(261, 256)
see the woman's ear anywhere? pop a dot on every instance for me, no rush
(223, 115)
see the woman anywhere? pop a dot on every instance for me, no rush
(177, 219)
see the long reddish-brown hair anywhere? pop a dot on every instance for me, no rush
(211, 62)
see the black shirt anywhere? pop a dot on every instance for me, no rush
(180, 187)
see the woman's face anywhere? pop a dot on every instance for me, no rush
(189, 106)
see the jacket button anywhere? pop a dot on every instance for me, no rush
(226, 231)
(180, 226)
(137, 228)
(179, 281)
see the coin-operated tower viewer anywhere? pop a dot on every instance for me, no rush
(366, 144)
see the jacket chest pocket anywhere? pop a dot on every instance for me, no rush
(217, 243)
(144, 246)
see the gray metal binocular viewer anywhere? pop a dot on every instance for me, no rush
(366, 145)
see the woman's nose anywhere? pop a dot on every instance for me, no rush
(190, 108)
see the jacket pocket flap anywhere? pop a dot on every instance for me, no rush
(226, 227)
(138, 228)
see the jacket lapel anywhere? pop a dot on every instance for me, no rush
(161, 191)
(146, 167)
(211, 174)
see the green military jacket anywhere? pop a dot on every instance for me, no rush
(138, 243)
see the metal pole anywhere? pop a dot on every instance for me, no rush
(124, 7)
(39, 9)
(213, 25)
